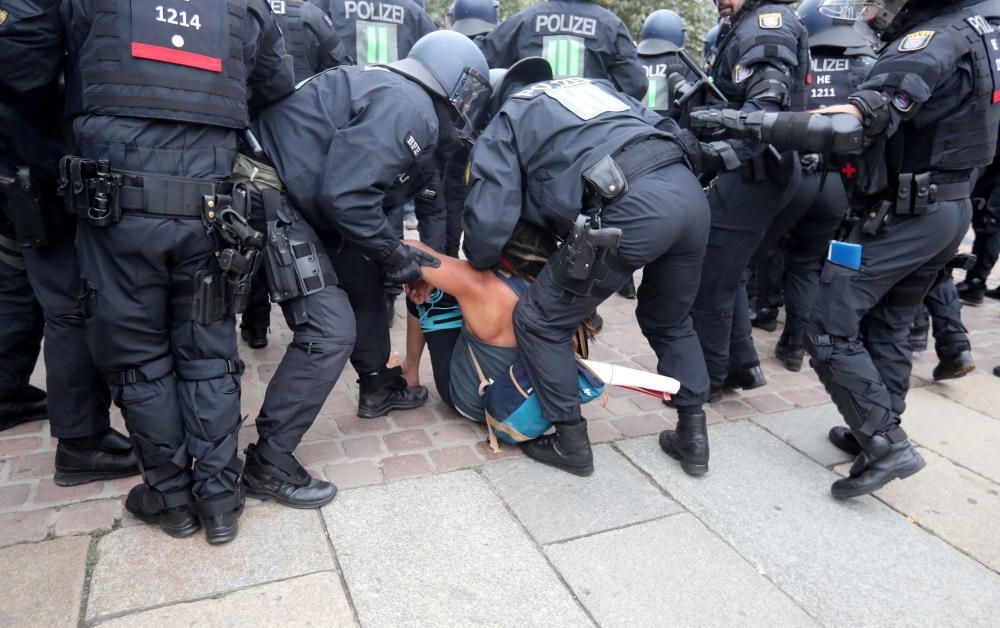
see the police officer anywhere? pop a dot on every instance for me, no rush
(552, 145)
(314, 46)
(986, 246)
(368, 129)
(761, 65)
(378, 31)
(578, 38)
(840, 60)
(473, 18)
(31, 144)
(157, 133)
(924, 131)
(709, 47)
(662, 36)
(20, 336)
(942, 311)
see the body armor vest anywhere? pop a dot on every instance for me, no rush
(290, 19)
(658, 69)
(172, 60)
(834, 76)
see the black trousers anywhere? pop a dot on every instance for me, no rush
(942, 309)
(21, 321)
(868, 379)
(362, 279)
(664, 221)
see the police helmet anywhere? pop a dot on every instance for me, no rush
(711, 40)
(448, 65)
(525, 72)
(662, 32)
(833, 28)
(473, 17)
(419, 3)
(886, 18)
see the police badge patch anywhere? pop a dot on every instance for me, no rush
(902, 101)
(3, 16)
(916, 41)
(741, 73)
(770, 21)
(414, 147)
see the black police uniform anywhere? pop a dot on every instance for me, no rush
(161, 91)
(761, 64)
(314, 46)
(658, 68)
(378, 31)
(529, 164)
(31, 144)
(819, 206)
(339, 143)
(576, 37)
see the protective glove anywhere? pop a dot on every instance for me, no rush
(403, 265)
(717, 157)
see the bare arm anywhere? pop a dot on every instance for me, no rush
(454, 276)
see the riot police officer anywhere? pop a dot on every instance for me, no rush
(370, 130)
(31, 144)
(761, 65)
(576, 37)
(551, 145)
(473, 18)
(986, 246)
(314, 46)
(157, 102)
(662, 36)
(378, 31)
(924, 132)
(840, 60)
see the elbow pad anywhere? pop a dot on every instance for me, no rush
(874, 108)
(812, 132)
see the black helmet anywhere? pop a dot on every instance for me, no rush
(886, 18)
(525, 72)
(710, 41)
(450, 66)
(832, 26)
(662, 32)
(473, 17)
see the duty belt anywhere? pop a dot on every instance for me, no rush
(916, 194)
(639, 159)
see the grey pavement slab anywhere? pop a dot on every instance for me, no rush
(314, 600)
(980, 391)
(43, 582)
(670, 571)
(806, 429)
(141, 567)
(554, 505)
(443, 551)
(965, 436)
(958, 505)
(853, 562)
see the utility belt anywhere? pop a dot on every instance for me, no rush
(587, 262)
(913, 195)
(771, 165)
(33, 219)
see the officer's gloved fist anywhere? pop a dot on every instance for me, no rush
(717, 157)
(403, 265)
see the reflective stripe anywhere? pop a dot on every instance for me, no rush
(565, 54)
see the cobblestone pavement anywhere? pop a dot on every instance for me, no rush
(432, 528)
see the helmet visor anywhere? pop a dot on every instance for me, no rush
(471, 99)
(844, 10)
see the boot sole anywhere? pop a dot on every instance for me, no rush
(691, 468)
(582, 472)
(898, 474)
(222, 539)
(265, 496)
(387, 408)
(176, 534)
(75, 478)
(965, 370)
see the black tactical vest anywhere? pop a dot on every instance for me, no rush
(834, 76)
(171, 59)
(746, 42)
(658, 69)
(289, 16)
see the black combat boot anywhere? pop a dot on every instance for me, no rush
(972, 291)
(765, 318)
(880, 462)
(21, 406)
(955, 366)
(568, 449)
(747, 379)
(791, 356)
(168, 510)
(255, 335)
(688, 444)
(220, 516)
(270, 474)
(843, 439)
(918, 339)
(993, 293)
(628, 290)
(381, 393)
(104, 456)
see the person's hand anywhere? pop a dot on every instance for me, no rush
(403, 265)
(418, 291)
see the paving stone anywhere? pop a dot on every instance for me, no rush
(443, 551)
(806, 429)
(674, 571)
(806, 397)
(767, 403)
(32, 427)
(408, 440)
(43, 583)
(351, 425)
(732, 409)
(408, 419)
(640, 425)
(141, 567)
(318, 452)
(554, 505)
(313, 600)
(41, 465)
(14, 495)
(14, 446)
(965, 436)
(958, 505)
(408, 466)
(48, 492)
(17, 527)
(456, 434)
(853, 562)
(87, 517)
(363, 447)
(353, 474)
(978, 391)
(452, 458)
(602, 431)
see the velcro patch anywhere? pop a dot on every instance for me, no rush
(916, 41)
(902, 101)
(741, 74)
(412, 144)
(770, 20)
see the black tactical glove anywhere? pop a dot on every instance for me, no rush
(403, 265)
(733, 122)
(718, 157)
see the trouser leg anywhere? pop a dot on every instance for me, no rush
(945, 309)
(79, 398)
(742, 353)
(258, 312)
(362, 280)
(21, 322)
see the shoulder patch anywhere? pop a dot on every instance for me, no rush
(413, 146)
(468, 173)
(916, 41)
(770, 21)
(278, 7)
(328, 20)
(3, 16)
(902, 101)
(741, 74)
